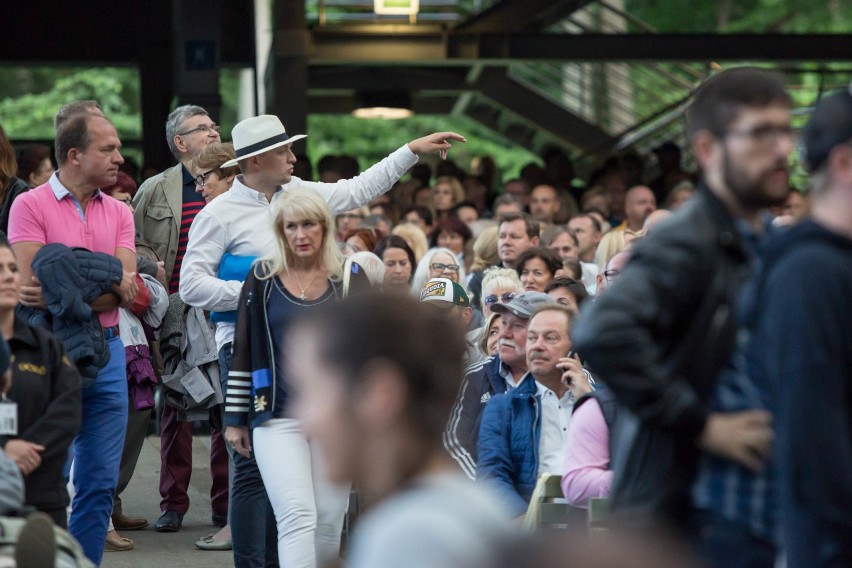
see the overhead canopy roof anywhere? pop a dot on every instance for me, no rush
(510, 66)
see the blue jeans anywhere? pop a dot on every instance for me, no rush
(97, 453)
(722, 543)
(254, 533)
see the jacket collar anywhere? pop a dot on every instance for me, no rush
(526, 386)
(22, 332)
(727, 233)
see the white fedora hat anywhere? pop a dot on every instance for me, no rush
(257, 135)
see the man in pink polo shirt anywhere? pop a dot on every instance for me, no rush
(69, 209)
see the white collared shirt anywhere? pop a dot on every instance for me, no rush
(504, 371)
(240, 222)
(555, 418)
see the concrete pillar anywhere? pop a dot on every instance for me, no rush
(287, 77)
(156, 73)
(197, 33)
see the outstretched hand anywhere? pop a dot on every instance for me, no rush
(438, 141)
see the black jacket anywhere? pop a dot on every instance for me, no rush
(14, 188)
(481, 381)
(46, 387)
(658, 338)
(70, 280)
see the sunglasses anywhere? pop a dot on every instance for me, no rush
(504, 298)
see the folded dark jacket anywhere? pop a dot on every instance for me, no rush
(70, 280)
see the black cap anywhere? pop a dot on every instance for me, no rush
(829, 126)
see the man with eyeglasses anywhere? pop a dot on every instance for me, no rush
(167, 203)
(664, 338)
(612, 270)
(165, 207)
(348, 221)
(489, 377)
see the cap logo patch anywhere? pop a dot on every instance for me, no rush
(436, 289)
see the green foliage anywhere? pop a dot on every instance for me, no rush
(371, 140)
(750, 16)
(30, 115)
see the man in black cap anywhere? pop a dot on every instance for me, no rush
(804, 331)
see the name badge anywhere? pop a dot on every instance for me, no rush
(8, 418)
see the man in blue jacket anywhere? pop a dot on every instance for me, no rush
(524, 431)
(486, 378)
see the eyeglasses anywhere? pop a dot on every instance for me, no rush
(203, 128)
(504, 298)
(201, 179)
(351, 216)
(440, 267)
(612, 275)
(766, 135)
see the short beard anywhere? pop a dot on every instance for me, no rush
(750, 194)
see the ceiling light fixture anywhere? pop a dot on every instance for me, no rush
(383, 104)
(396, 7)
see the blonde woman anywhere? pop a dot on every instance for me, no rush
(499, 285)
(437, 263)
(415, 237)
(484, 256)
(445, 194)
(488, 335)
(304, 272)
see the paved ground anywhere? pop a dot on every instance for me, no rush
(142, 499)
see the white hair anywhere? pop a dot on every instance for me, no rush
(421, 275)
(373, 266)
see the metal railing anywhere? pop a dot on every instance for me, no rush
(334, 12)
(615, 97)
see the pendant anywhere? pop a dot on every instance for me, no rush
(302, 297)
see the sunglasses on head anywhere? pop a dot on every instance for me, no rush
(504, 298)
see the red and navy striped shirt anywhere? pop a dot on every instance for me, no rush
(193, 202)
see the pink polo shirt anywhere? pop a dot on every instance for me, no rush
(51, 214)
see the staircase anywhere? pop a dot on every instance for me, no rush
(591, 109)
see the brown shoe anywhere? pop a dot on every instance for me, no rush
(122, 522)
(117, 543)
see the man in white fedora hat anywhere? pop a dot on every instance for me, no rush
(239, 223)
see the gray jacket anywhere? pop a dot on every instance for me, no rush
(191, 360)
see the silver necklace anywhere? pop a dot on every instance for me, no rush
(298, 283)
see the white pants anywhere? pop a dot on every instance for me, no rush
(308, 509)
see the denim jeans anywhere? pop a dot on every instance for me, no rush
(97, 453)
(253, 531)
(724, 544)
